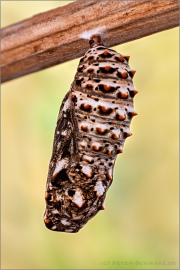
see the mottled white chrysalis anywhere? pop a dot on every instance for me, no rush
(92, 126)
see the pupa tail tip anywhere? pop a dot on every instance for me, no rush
(98, 31)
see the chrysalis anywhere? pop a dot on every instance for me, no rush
(92, 126)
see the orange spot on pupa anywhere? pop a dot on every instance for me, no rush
(121, 58)
(123, 95)
(54, 200)
(86, 106)
(104, 109)
(47, 220)
(96, 148)
(84, 128)
(120, 117)
(107, 68)
(89, 85)
(115, 137)
(47, 195)
(100, 130)
(105, 52)
(107, 87)
(108, 152)
(89, 175)
(109, 177)
(124, 74)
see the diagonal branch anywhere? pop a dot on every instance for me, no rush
(53, 37)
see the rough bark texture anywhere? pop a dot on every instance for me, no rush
(52, 37)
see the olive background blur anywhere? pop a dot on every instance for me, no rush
(140, 223)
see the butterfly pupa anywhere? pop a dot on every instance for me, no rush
(93, 123)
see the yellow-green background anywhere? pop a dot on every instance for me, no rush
(140, 223)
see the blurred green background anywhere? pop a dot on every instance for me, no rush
(140, 223)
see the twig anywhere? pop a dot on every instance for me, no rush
(53, 37)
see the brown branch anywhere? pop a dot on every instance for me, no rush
(52, 37)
